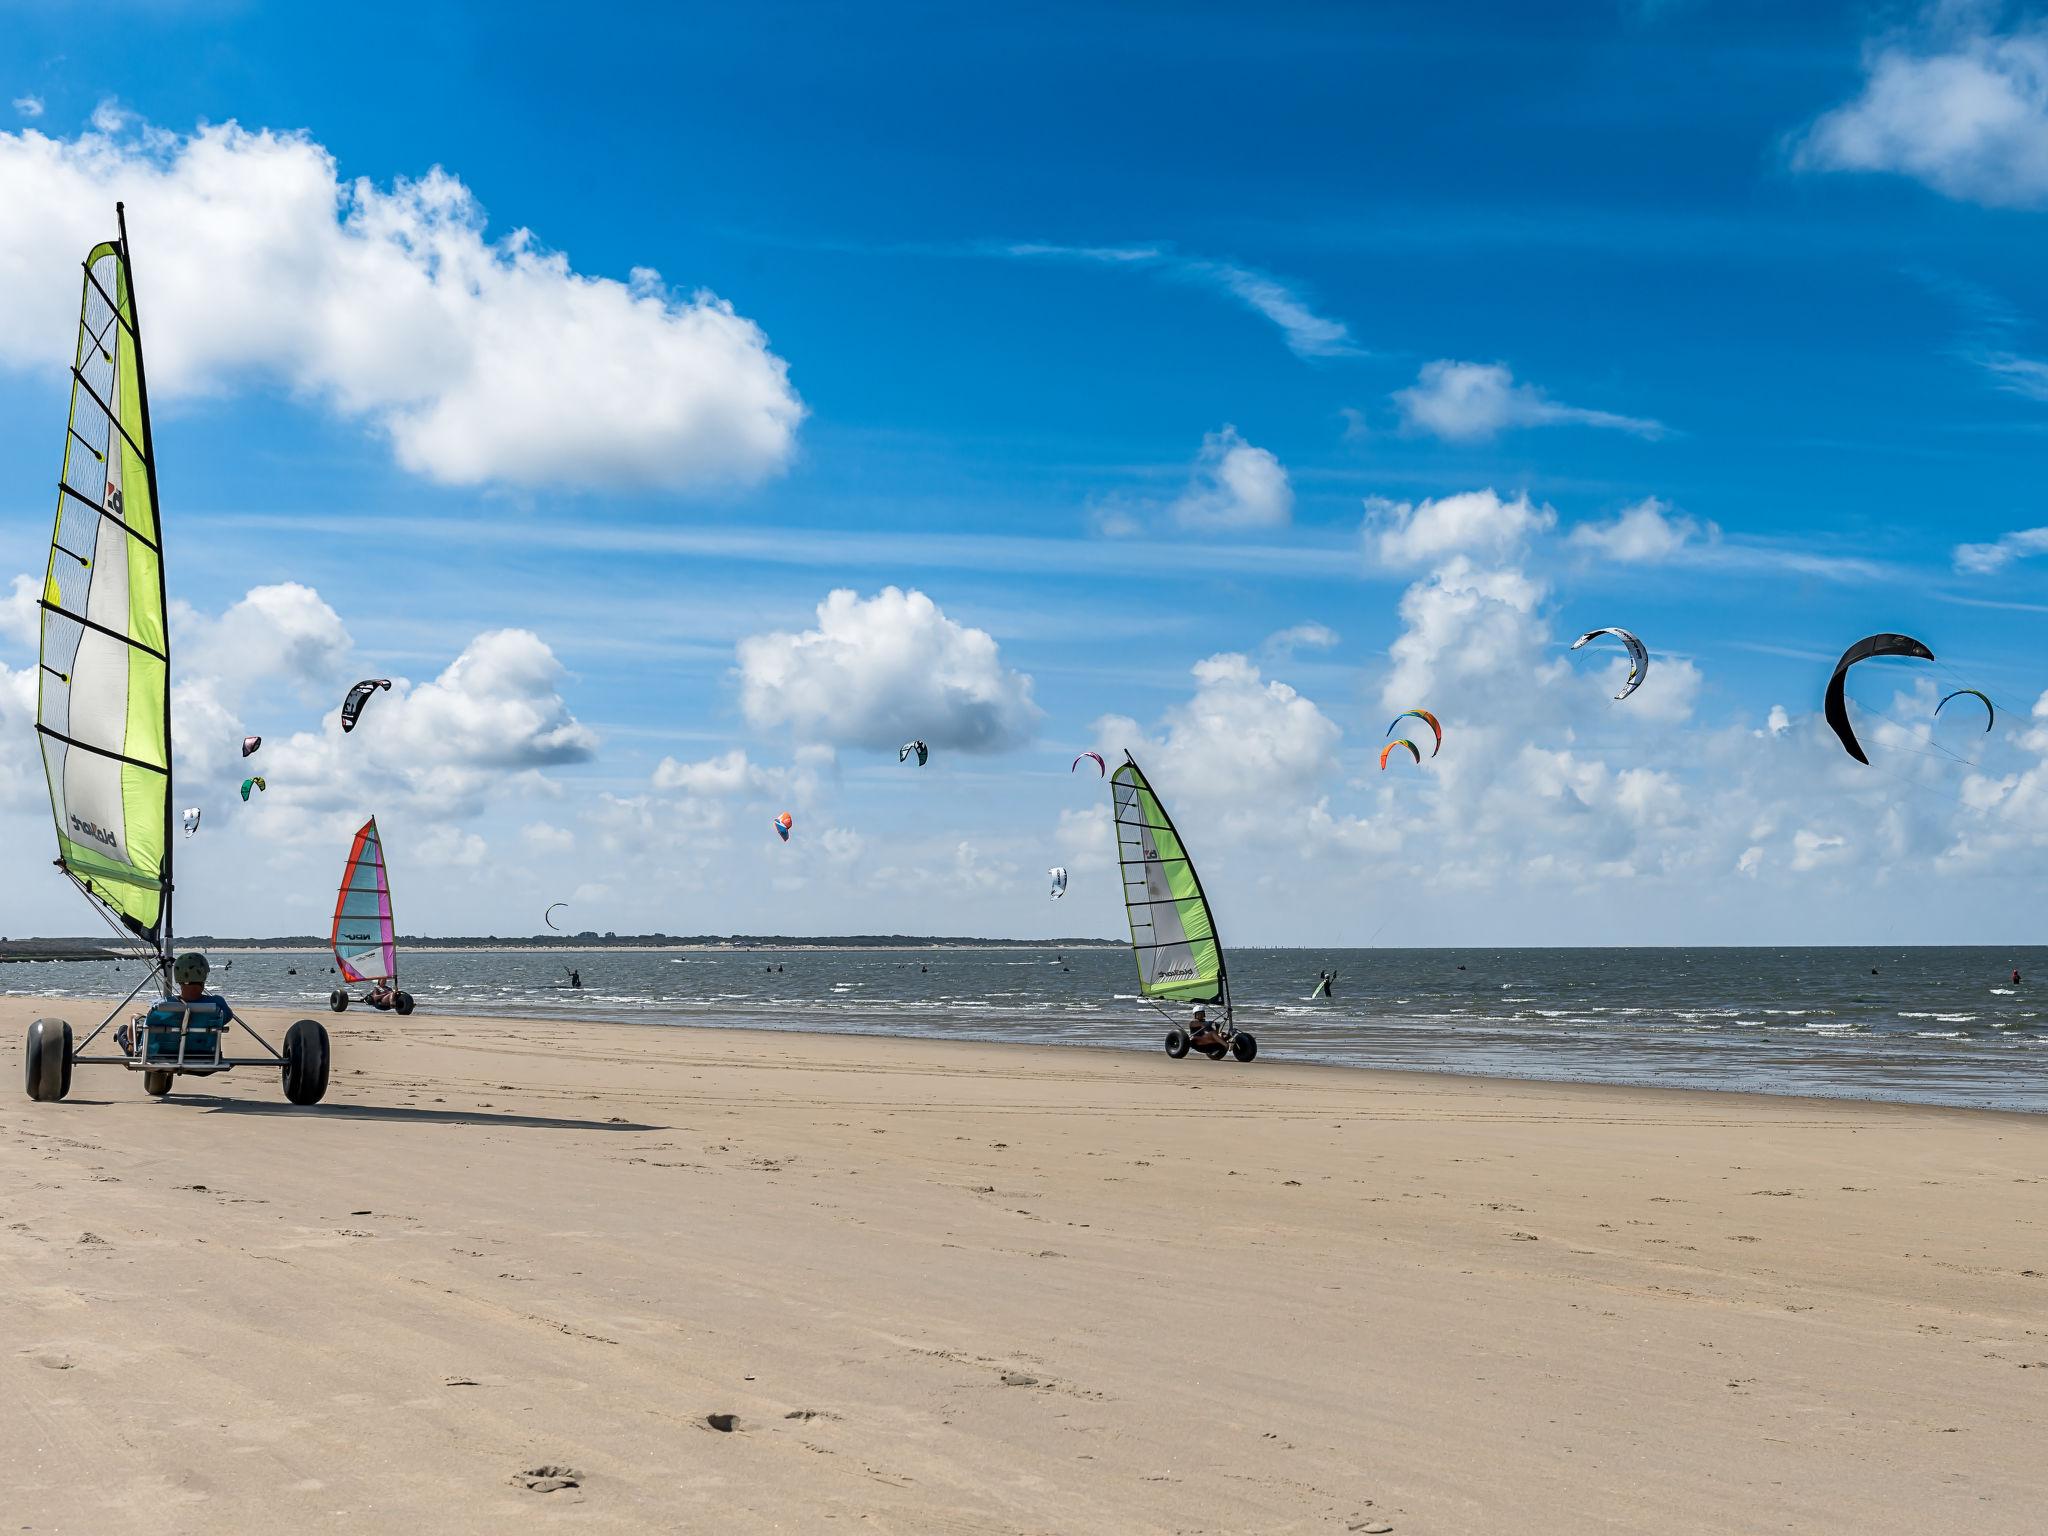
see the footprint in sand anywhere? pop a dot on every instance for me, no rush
(548, 1479)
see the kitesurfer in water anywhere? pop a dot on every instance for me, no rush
(1326, 985)
(575, 978)
(2015, 977)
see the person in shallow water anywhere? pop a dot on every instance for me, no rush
(2015, 977)
(575, 978)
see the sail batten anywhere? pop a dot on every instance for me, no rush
(1173, 934)
(365, 939)
(103, 703)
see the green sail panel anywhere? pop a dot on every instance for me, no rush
(1173, 935)
(103, 707)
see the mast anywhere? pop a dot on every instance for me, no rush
(156, 511)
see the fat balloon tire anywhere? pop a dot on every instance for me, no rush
(1176, 1044)
(404, 1003)
(47, 1069)
(305, 1062)
(1244, 1047)
(338, 1000)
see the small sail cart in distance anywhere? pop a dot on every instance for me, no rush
(103, 714)
(1173, 935)
(365, 940)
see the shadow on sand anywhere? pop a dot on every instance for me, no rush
(220, 1106)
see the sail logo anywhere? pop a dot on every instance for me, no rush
(1179, 971)
(358, 936)
(95, 832)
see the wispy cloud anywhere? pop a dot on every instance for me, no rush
(1982, 559)
(1470, 402)
(29, 106)
(1307, 333)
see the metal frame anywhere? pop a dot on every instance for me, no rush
(142, 1061)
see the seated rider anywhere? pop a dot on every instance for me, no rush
(383, 995)
(1202, 1035)
(189, 972)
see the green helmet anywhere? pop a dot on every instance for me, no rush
(191, 966)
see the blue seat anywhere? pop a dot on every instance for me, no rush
(167, 1021)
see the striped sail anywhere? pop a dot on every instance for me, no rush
(365, 945)
(1172, 933)
(103, 708)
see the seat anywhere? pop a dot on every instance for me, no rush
(175, 1031)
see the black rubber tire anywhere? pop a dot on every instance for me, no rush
(1217, 1052)
(306, 1062)
(404, 1004)
(1176, 1044)
(156, 1084)
(47, 1070)
(338, 1000)
(1244, 1047)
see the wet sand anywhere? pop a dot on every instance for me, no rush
(611, 1278)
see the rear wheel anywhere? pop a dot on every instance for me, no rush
(46, 1072)
(404, 1003)
(1244, 1047)
(338, 1000)
(305, 1062)
(1176, 1044)
(156, 1084)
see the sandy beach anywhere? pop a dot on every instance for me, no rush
(612, 1278)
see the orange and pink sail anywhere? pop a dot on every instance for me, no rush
(365, 942)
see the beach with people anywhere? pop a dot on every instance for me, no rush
(636, 1278)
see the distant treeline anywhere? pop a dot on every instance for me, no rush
(594, 940)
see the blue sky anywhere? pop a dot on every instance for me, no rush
(1118, 341)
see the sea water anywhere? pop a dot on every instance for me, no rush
(1932, 1026)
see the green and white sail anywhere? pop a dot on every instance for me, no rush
(103, 711)
(1173, 934)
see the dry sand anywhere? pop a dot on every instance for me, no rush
(962, 1288)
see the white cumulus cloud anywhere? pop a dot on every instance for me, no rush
(1958, 106)
(1240, 738)
(1471, 522)
(482, 360)
(1648, 533)
(1468, 402)
(1235, 485)
(878, 671)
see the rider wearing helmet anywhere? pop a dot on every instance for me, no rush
(189, 971)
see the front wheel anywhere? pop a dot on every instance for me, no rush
(404, 1003)
(1176, 1044)
(46, 1071)
(156, 1084)
(1244, 1047)
(338, 1000)
(305, 1062)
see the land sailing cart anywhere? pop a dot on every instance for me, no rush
(103, 715)
(1173, 934)
(365, 939)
